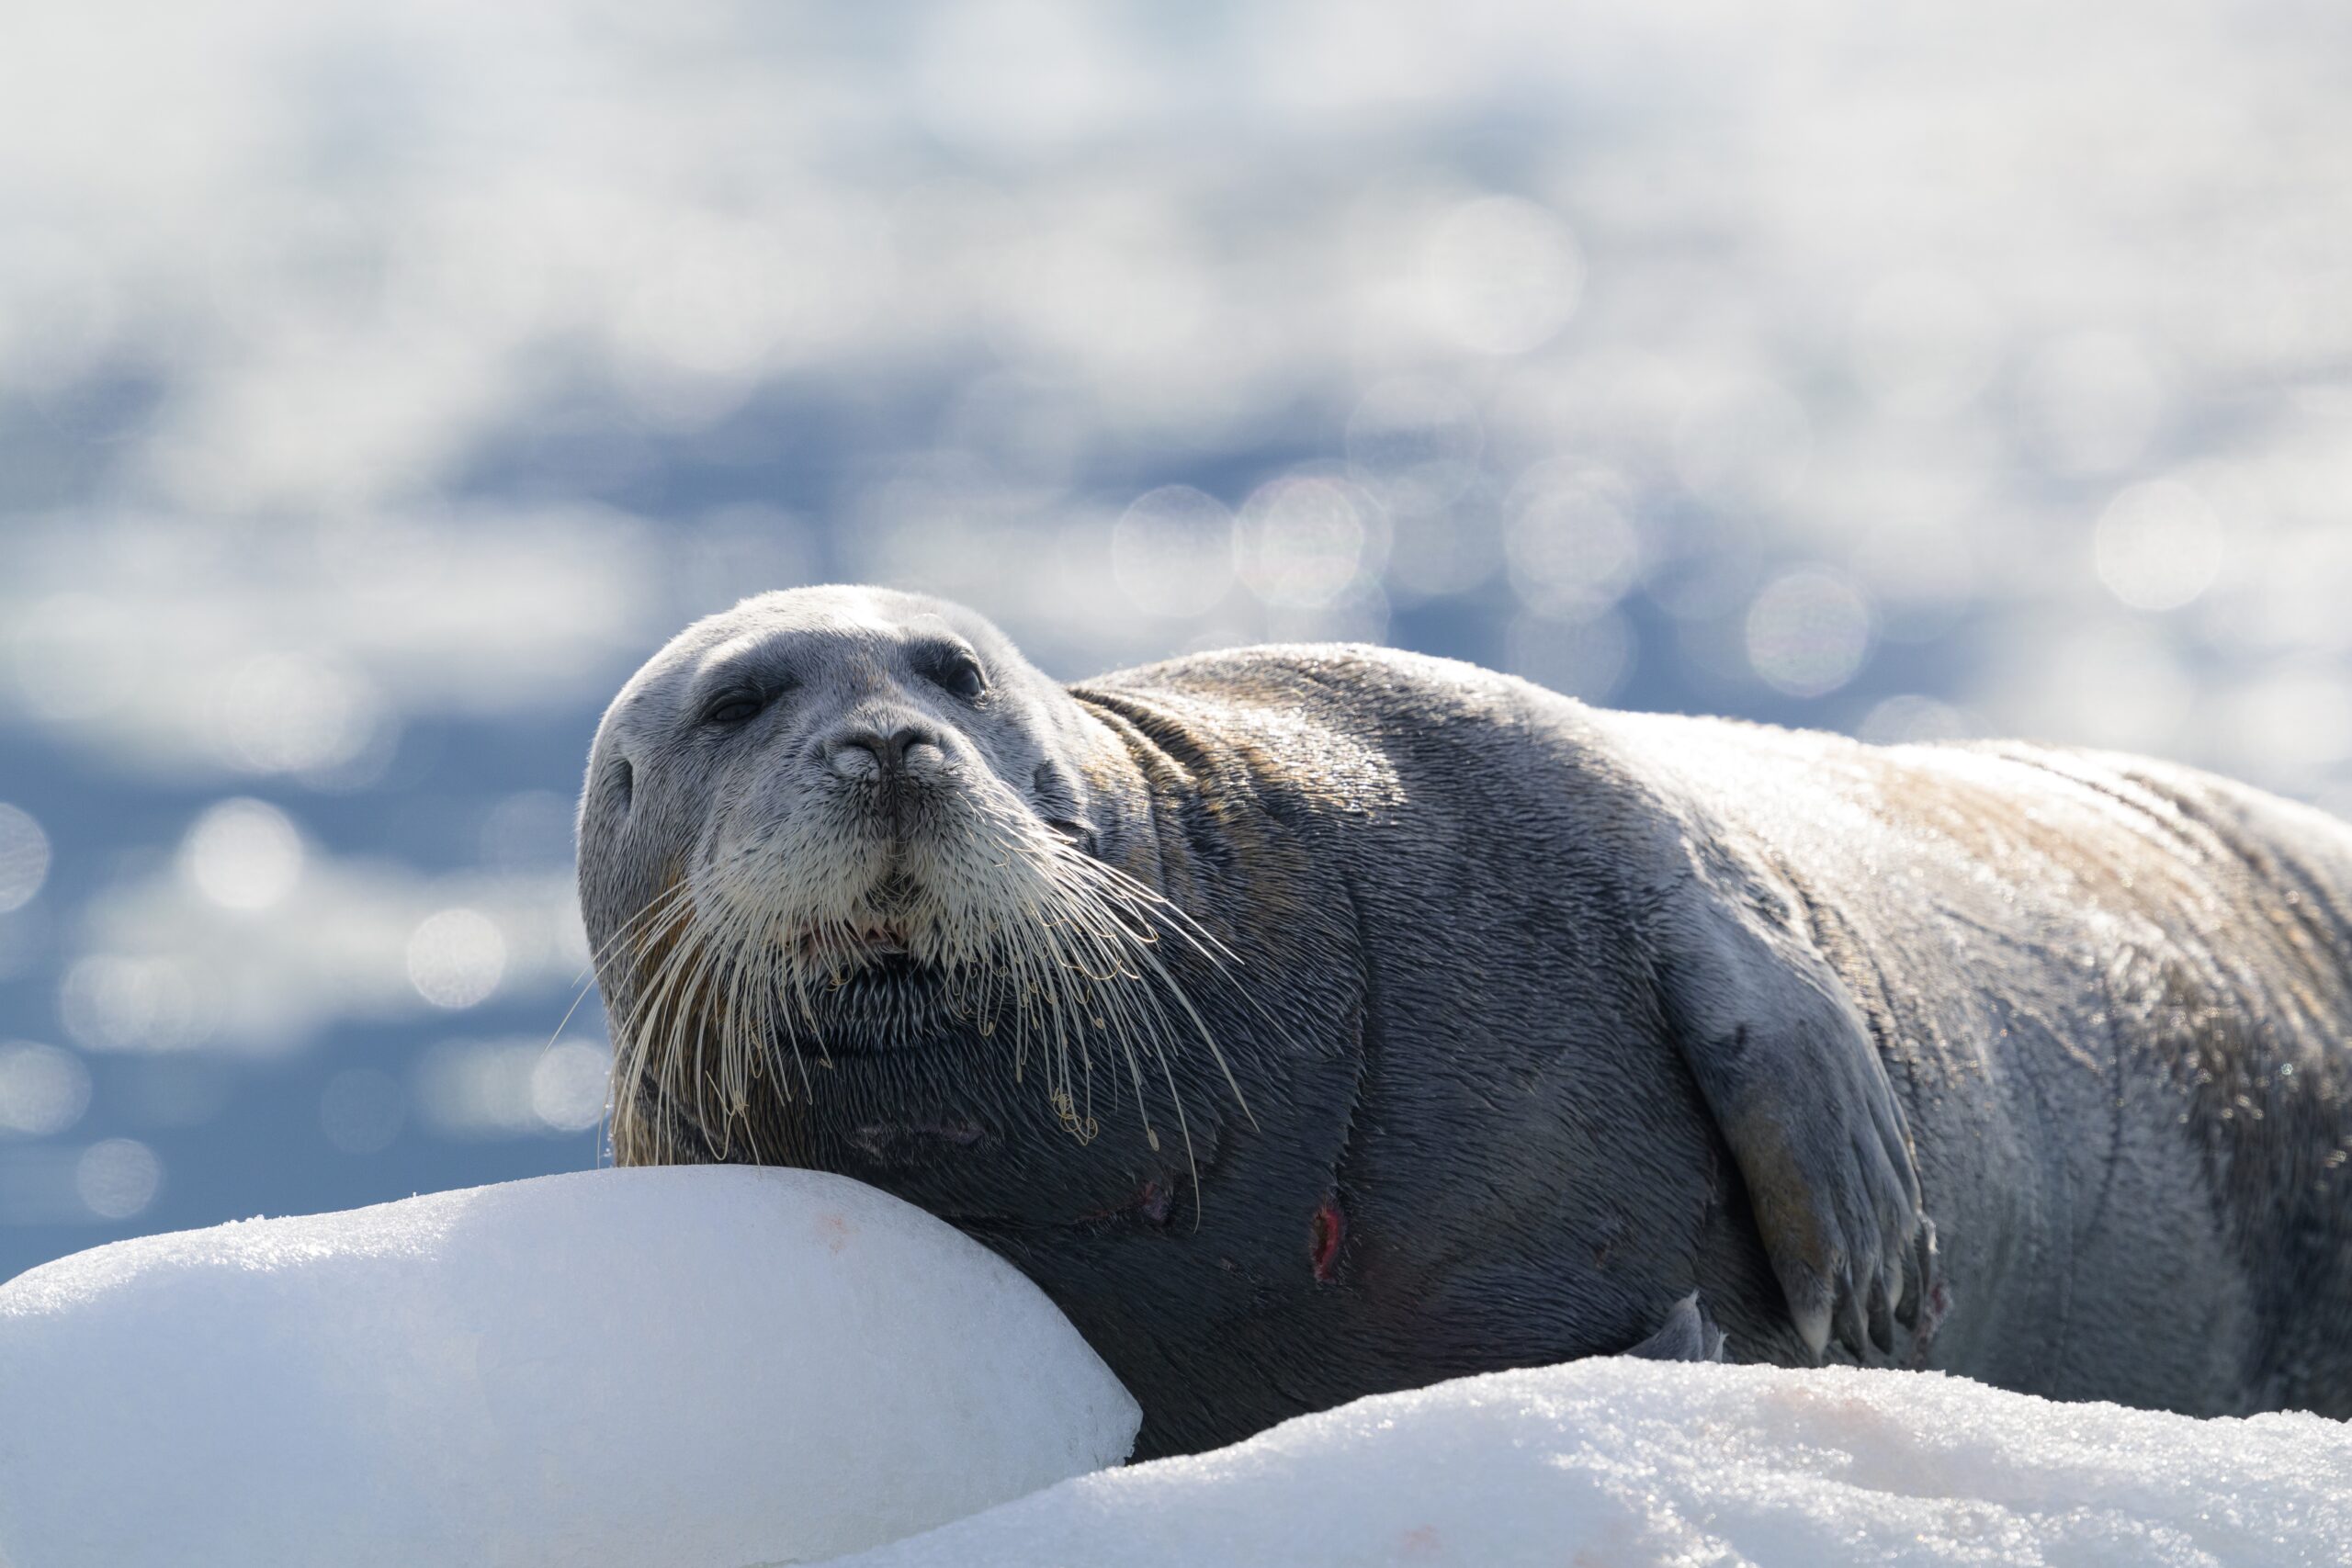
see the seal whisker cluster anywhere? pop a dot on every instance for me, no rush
(1027, 936)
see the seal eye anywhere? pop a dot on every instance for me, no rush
(738, 707)
(959, 676)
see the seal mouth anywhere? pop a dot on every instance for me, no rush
(871, 992)
(863, 940)
(993, 941)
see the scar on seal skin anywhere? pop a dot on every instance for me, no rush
(1312, 1021)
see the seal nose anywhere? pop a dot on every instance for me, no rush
(867, 751)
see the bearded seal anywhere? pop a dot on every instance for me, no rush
(1315, 1021)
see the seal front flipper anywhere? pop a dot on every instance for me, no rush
(1788, 1068)
(1687, 1335)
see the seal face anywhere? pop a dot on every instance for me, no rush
(852, 836)
(1315, 1022)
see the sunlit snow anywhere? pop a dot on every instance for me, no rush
(1617, 1463)
(700, 1368)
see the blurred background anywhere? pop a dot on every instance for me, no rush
(380, 384)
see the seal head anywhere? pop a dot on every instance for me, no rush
(868, 891)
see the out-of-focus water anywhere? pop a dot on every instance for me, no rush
(379, 384)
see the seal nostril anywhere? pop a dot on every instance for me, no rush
(858, 754)
(867, 753)
(906, 741)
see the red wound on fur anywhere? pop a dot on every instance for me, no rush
(1326, 1232)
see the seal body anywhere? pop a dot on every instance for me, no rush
(1459, 1026)
(2112, 996)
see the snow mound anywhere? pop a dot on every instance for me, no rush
(698, 1368)
(1615, 1463)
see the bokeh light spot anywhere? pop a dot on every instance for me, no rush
(292, 713)
(118, 1178)
(23, 858)
(514, 1088)
(242, 855)
(456, 958)
(1570, 540)
(568, 1085)
(1301, 541)
(1808, 632)
(2158, 545)
(43, 1089)
(111, 1002)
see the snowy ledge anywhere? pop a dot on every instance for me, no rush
(672, 1368)
(724, 1367)
(1614, 1463)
